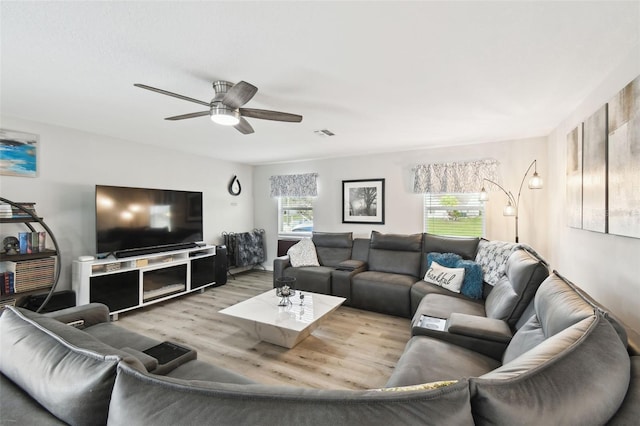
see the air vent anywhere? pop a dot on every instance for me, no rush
(324, 132)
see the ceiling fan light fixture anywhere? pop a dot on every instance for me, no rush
(220, 114)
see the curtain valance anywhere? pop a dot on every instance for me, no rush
(302, 185)
(455, 177)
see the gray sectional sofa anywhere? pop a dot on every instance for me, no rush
(384, 274)
(565, 360)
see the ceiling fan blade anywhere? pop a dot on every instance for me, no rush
(175, 95)
(190, 115)
(264, 114)
(239, 94)
(244, 127)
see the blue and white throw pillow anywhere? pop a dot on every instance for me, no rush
(473, 277)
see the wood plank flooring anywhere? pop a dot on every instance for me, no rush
(351, 349)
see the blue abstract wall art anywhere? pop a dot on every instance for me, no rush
(18, 153)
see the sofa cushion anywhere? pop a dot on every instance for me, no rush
(396, 254)
(615, 322)
(442, 306)
(422, 288)
(558, 306)
(464, 246)
(428, 359)
(140, 398)
(396, 242)
(514, 290)
(333, 248)
(118, 337)
(501, 300)
(18, 408)
(67, 371)
(303, 253)
(629, 412)
(311, 278)
(382, 292)
(578, 376)
(199, 370)
(527, 337)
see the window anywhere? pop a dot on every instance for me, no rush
(454, 214)
(295, 215)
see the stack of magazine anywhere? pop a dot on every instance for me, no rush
(8, 211)
(432, 323)
(27, 275)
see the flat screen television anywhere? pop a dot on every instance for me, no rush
(132, 221)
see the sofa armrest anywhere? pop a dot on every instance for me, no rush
(149, 362)
(475, 340)
(352, 265)
(480, 327)
(279, 265)
(88, 315)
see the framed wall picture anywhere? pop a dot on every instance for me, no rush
(363, 201)
(624, 158)
(594, 171)
(18, 153)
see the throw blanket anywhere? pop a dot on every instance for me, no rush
(492, 257)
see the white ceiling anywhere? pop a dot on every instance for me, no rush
(383, 76)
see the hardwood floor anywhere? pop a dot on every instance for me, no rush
(351, 349)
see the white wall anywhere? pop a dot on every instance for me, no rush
(71, 163)
(606, 266)
(403, 208)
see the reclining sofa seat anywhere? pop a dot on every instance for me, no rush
(465, 247)
(555, 370)
(506, 301)
(393, 267)
(332, 249)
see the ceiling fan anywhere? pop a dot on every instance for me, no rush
(225, 109)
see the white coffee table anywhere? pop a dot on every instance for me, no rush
(282, 325)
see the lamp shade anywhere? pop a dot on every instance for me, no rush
(535, 182)
(509, 210)
(484, 195)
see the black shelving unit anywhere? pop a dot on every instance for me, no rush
(30, 220)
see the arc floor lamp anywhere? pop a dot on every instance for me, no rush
(511, 209)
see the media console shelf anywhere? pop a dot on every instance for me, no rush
(133, 282)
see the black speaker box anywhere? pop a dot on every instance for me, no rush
(221, 265)
(60, 300)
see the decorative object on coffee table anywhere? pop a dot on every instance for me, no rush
(363, 201)
(285, 289)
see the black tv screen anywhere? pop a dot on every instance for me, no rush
(140, 218)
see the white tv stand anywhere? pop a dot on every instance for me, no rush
(137, 281)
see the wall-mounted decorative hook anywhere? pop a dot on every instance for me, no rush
(230, 187)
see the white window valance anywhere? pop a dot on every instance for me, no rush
(303, 185)
(458, 177)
